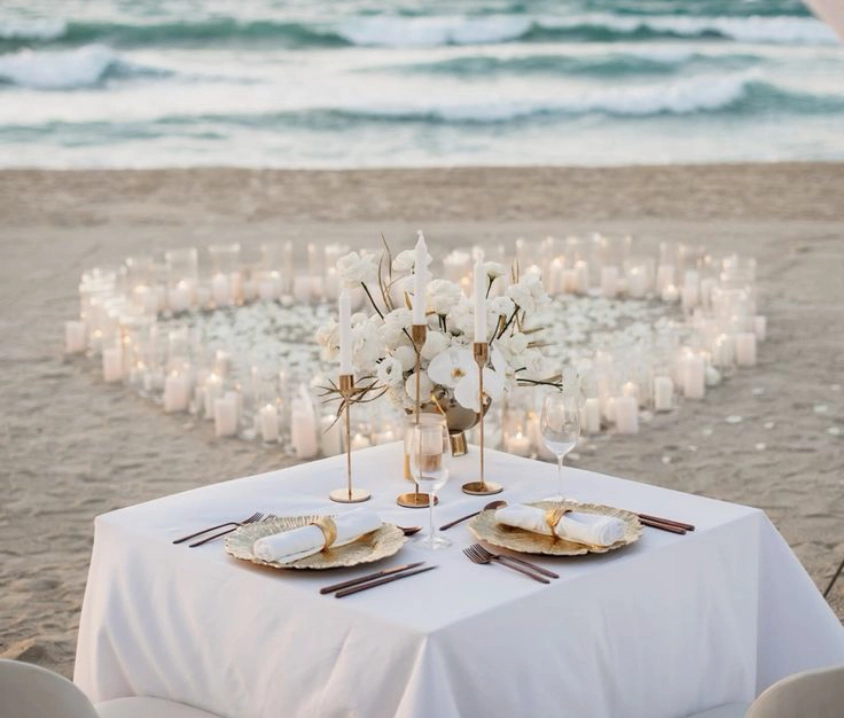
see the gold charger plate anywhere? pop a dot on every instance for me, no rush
(374, 546)
(484, 527)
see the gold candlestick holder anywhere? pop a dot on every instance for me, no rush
(416, 499)
(481, 487)
(348, 495)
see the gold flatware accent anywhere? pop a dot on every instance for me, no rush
(544, 571)
(254, 517)
(382, 581)
(476, 556)
(491, 506)
(252, 520)
(369, 577)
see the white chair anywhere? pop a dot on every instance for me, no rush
(811, 694)
(28, 691)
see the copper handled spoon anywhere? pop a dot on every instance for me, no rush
(491, 506)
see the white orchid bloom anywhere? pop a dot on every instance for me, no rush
(449, 367)
(466, 390)
(406, 356)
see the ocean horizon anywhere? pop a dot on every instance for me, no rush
(293, 84)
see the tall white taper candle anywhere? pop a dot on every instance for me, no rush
(480, 299)
(345, 306)
(420, 281)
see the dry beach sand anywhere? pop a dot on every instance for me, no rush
(72, 447)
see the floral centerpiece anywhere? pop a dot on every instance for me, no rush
(384, 355)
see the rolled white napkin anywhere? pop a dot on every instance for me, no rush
(289, 546)
(592, 529)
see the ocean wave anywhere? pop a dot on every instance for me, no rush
(653, 62)
(424, 31)
(82, 67)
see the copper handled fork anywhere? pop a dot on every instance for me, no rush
(482, 551)
(486, 557)
(257, 516)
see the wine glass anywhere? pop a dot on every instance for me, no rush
(430, 451)
(560, 426)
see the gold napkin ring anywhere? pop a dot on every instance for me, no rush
(329, 530)
(552, 518)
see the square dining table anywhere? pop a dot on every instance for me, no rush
(665, 627)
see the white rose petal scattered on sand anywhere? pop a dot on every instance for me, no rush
(758, 390)
(734, 419)
(821, 408)
(666, 460)
(761, 446)
(834, 431)
(769, 424)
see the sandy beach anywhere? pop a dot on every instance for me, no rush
(72, 447)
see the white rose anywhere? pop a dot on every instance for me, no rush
(392, 334)
(356, 268)
(405, 261)
(522, 297)
(435, 343)
(406, 356)
(390, 372)
(426, 386)
(494, 270)
(400, 317)
(367, 347)
(443, 295)
(513, 345)
(328, 335)
(502, 306)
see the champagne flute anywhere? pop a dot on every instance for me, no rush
(430, 451)
(560, 426)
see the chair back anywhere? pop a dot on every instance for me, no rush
(28, 691)
(819, 694)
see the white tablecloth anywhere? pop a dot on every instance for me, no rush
(668, 626)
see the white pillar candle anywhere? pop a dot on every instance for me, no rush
(221, 290)
(225, 416)
(609, 282)
(330, 436)
(359, 441)
(691, 290)
(331, 286)
(237, 397)
(287, 267)
(176, 393)
(569, 281)
(235, 288)
(75, 337)
(519, 444)
(213, 391)
(303, 429)
(203, 297)
(670, 294)
(590, 416)
(663, 393)
(269, 423)
(636, 283)
(581, 270)
(631, 389)
(556, 271)
(723, 351)
(113, 364)
(760, 327)
(269, 288)
(746, 349)
(160, 297)
(626, 415)
(345, 327)
(420, 281)
(303, 287)
(480, 299)
(178, 297)
(694, 377)
(664, 276)
(250, 290)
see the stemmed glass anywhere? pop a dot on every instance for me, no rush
(430, 452)
(560, 426)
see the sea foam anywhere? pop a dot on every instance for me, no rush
(65, 70)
